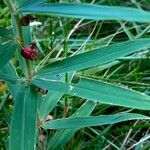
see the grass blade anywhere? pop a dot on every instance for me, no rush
(80, 122)
(88, 11)
(49, 103)
(61, 137)
(99, 91)
(23, 124)
(93, 58)
(5, 34)
(51, 99)
(8, 78)
(6, 53)
(13, 88)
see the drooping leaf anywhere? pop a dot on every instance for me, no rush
(88, 11)
(61, 137)
(80, 122)
(92, 58)
(23, 123)
(98, 91)
(6, 53)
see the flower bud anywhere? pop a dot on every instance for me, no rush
(30, 52)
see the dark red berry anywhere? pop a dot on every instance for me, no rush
(30, 52)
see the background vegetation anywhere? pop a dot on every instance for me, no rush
(58, 37)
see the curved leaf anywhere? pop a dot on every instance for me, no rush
(98, 91)
(61, 137)
(92, 58)
(80, 122)
(88, 11)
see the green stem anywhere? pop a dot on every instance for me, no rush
(19, 34)
(29, 69)
(19, 29)
(66, 74)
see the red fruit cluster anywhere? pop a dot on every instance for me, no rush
(30, 52)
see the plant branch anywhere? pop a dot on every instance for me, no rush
(19, 34)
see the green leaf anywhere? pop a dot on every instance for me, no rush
(21, 3)
(5, 77)
(80, 122)
(6, 53)
(96, 57)
(61, 137)
(89, 11)
(7, 116)
(2, 103)
(49, 103)
(6, 34)
(98, 91)
(8, 70)
(51, 99)
(23, 123)
(140, 144)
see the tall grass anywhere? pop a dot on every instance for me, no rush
(88, 86)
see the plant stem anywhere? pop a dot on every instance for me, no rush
(66, 74)
(19, 34)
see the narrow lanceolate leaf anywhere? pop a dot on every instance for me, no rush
(61, 137)
(49, 103)
(21, 3)
(6, 53)
(96, 57)
(140, 143)
(51, 99)
(5, 77)
(8, 70)
(23, 122)
(88, 11)
(80, 122)
(99, 91)
(6, 34)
